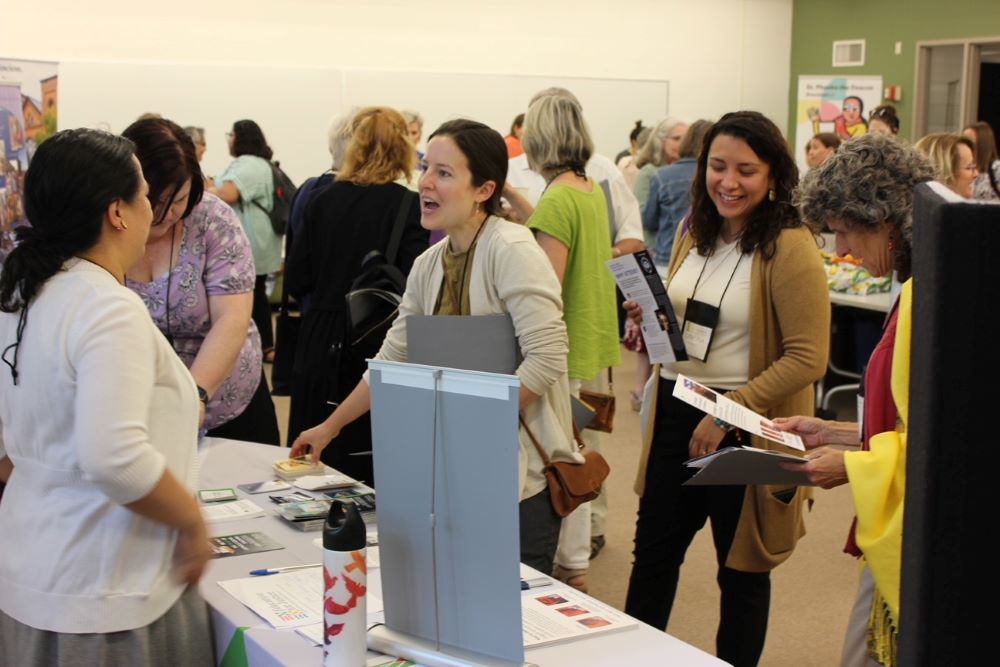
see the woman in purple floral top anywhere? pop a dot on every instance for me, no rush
(198, 259)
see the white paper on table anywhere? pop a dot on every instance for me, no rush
(285, 600)
(238, 509)
(632, 282)
(557, 614)
(731, 412)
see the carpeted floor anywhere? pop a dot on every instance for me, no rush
(811, 594)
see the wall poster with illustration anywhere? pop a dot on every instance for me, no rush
(838, 104)
(28, 112)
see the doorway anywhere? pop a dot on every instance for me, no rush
(957, 83)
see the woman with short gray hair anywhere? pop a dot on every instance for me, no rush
(864, 193)
(571, 225)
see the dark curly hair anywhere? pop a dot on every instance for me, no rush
(248, 139)
(867, 183)
(766, 221)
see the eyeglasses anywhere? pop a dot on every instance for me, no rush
(972, 168)
(229, 135)
(851, 107)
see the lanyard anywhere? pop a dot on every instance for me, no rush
(465, 268)
(728, 283)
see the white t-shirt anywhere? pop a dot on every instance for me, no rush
(728, 361)
(102, 407)
(628, 219)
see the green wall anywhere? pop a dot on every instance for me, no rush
(816, 24)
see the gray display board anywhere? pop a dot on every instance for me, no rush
(446, 459)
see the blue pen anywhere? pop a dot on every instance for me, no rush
(275, 570)
(535, 583)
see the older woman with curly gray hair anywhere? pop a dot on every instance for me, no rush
(864, 193)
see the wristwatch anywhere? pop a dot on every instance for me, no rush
(203, 396)
(725, 426)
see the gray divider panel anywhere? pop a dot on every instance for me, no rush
(455, 581)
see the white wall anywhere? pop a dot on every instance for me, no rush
(718, 55)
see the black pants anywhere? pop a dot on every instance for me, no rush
(262, 313)
(539, 528)
(257, 423)
(669, 517)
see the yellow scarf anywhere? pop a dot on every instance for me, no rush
(878, 484)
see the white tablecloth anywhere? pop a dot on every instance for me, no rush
(226, 463)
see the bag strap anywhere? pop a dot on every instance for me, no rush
(541, 452)
(534, 441)
(686, 224)
(303, 192)
(397, 227)
(273, 198)
(611, 382)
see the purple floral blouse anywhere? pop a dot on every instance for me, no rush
(214, 259)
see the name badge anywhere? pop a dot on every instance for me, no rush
(700, 320)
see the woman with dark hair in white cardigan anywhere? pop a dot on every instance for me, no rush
(103, 539)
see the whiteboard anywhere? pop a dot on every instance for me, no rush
(610, 106)
(294, 105)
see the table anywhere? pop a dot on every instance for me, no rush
(880, 302)
(225, 463)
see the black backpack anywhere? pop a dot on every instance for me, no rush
(372, 303)
(282, 196)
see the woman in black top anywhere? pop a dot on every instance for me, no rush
(344, 222)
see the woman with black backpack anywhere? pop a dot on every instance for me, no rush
(344, 222)
(248, 186)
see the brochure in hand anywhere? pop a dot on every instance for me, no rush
(639, 281)
(731, 412)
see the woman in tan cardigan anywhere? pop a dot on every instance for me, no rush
(747, 281)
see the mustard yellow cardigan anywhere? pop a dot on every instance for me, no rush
(789, 345)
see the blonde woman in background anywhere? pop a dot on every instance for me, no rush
(954, 160)
(987, 185)
(342, 224)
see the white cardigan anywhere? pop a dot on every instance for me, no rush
(102, 407)
(510, 274)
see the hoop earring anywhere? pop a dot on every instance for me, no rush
(124, 225)
(772, 195)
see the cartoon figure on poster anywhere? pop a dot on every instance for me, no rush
(28, 109)
(834, 104)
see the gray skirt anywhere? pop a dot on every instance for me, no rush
(182, 636)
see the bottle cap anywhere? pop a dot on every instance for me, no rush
(344, 529)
